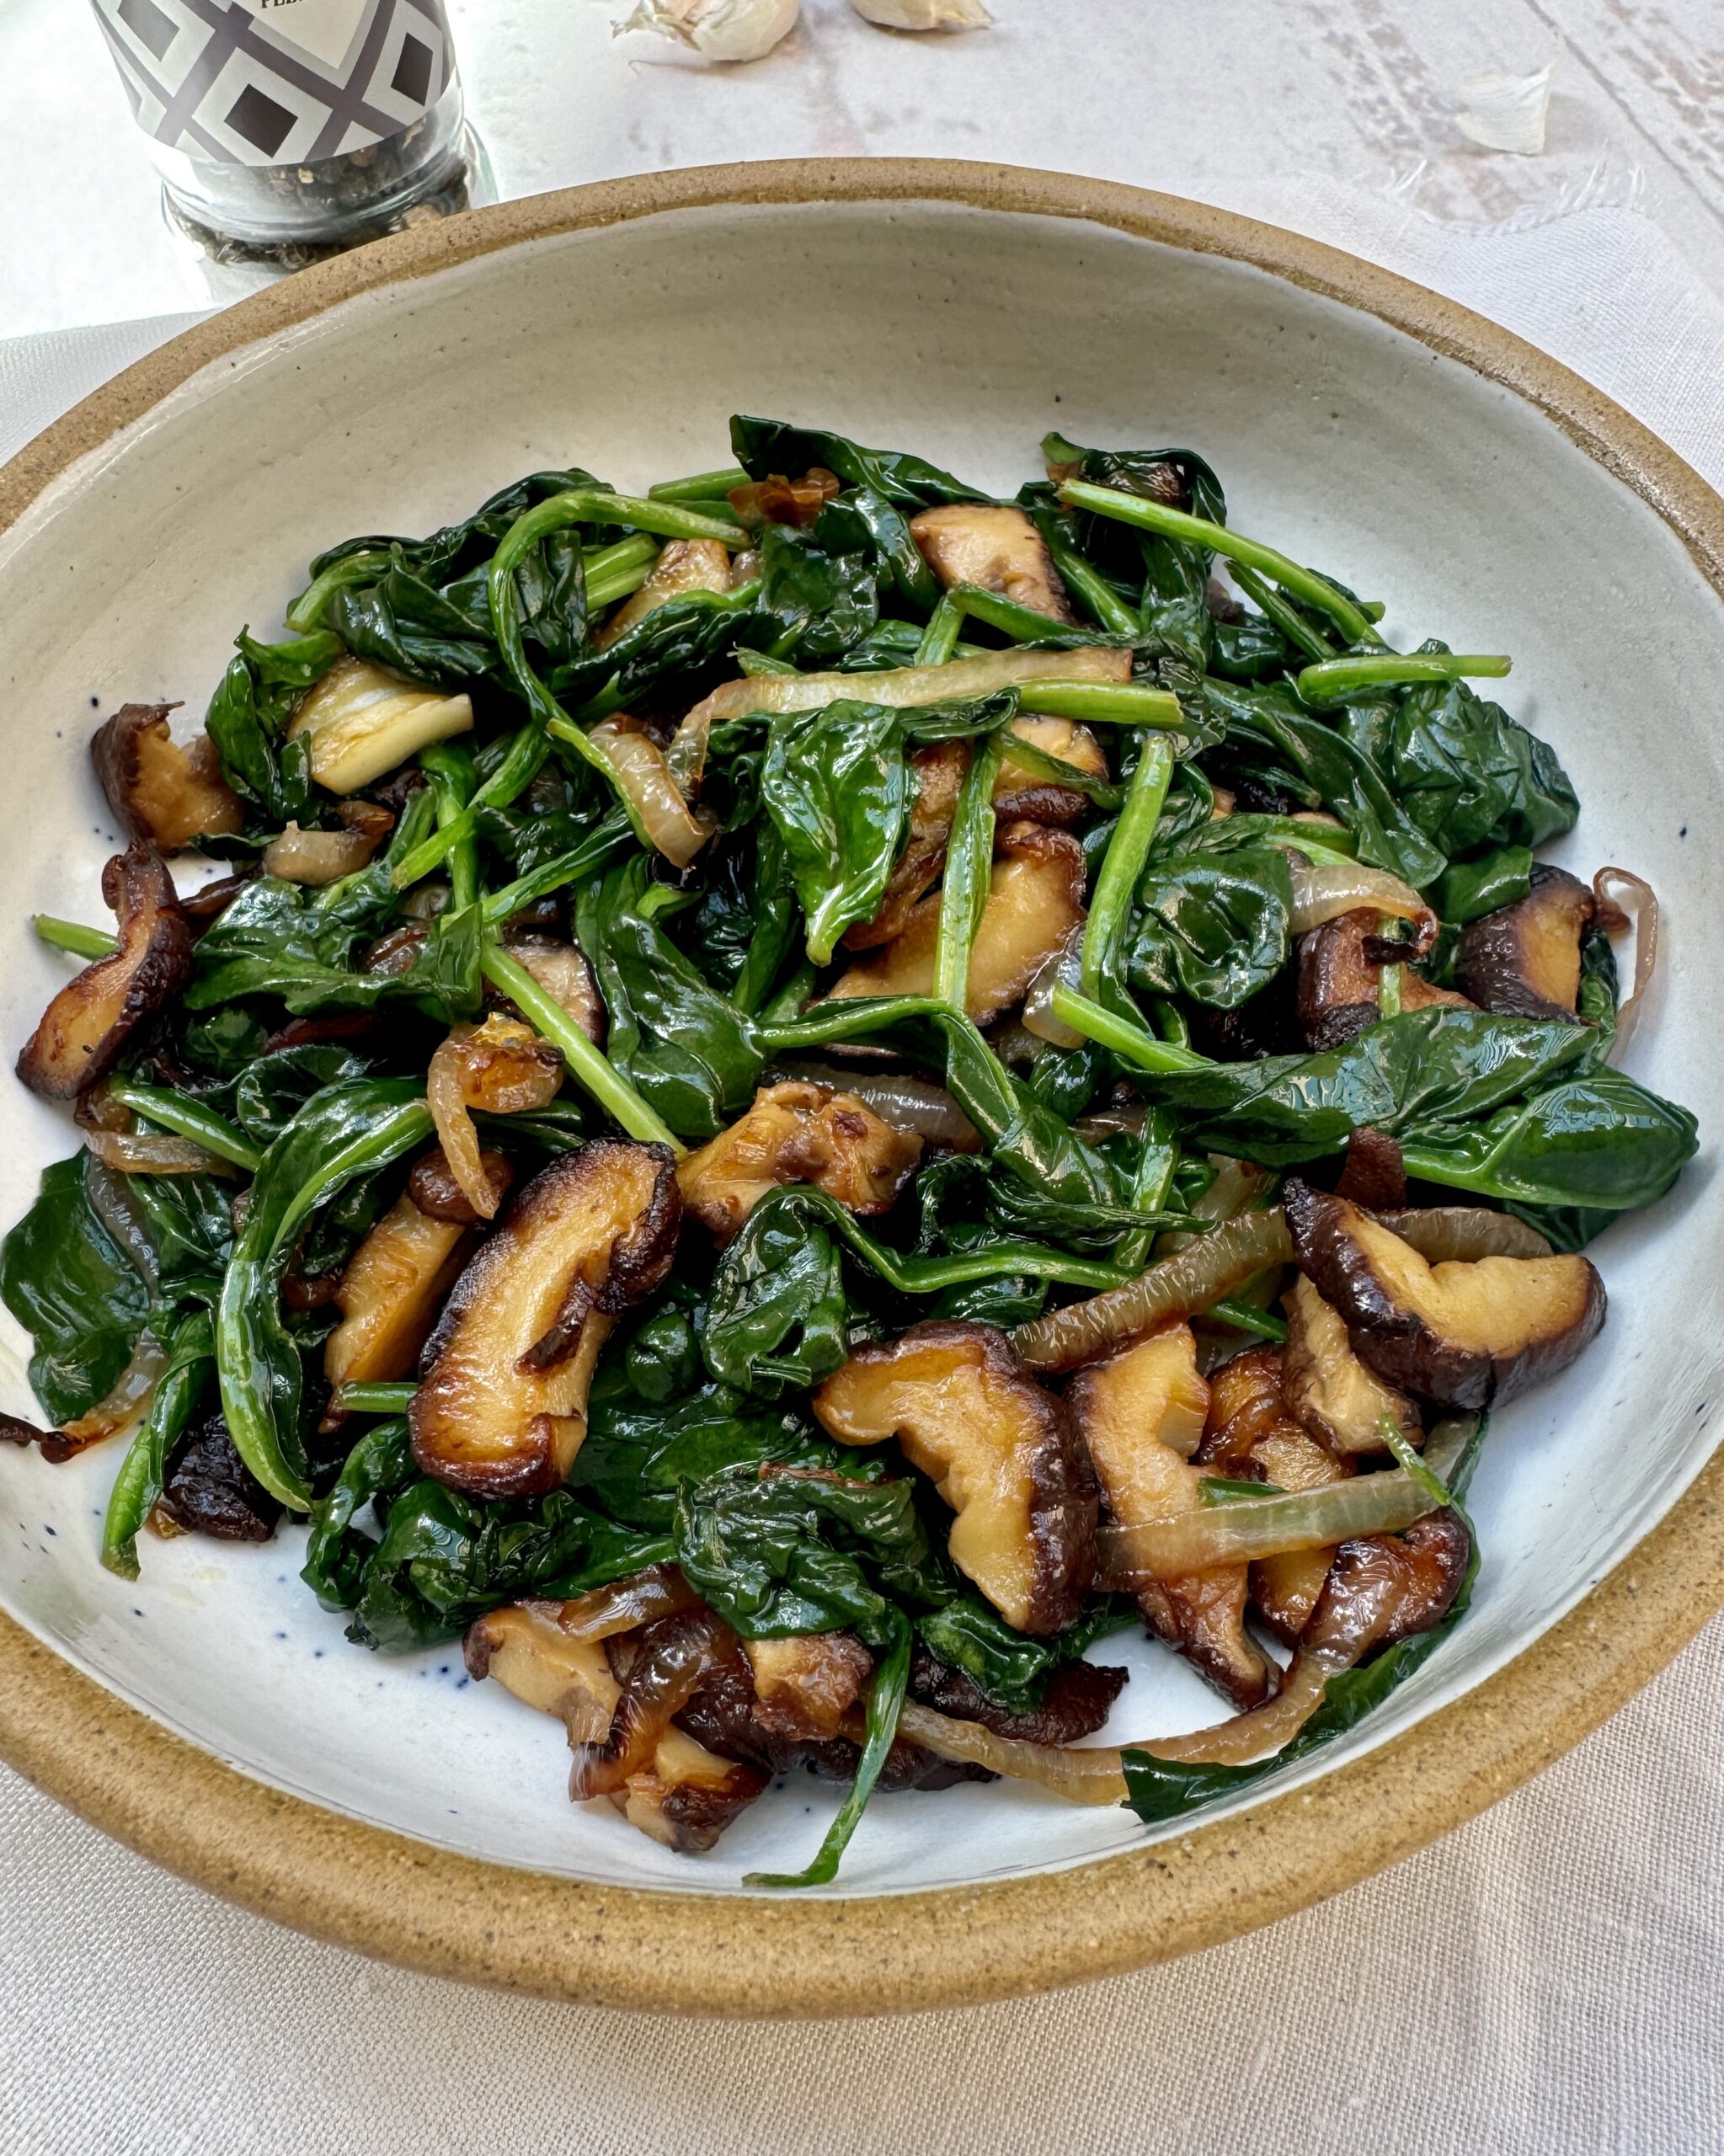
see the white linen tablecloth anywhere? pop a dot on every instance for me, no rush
(1545, 1980)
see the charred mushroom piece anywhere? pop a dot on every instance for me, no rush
(996, 549)
(776, 500)
(1022, 793)
(1142, 1415)
(208, 1489)
(1524, 959)
(1376, 1175)
(684, 1795)
(796, 1133)
(1333, 1394)
(432, 1186)
(361, 722)
(1465, 1333)
(561, 969)
(1035, 900)
(1252, 1437)
(1385, 1589)
(805, 1686)
(1004, 1454)
(87, 1025)
(158, 791)
(1339, 976)
(501, 1410)
(938, 770)
(391, 1292)
(686, 565)
(319, 857)
(1079, 1699)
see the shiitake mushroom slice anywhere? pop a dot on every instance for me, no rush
(86, 1027)
(797, 1132)
(1523, 960)
(996, 548)
(1004, 1454)
(501, 1408)
(1465, 1333)
(158, 790)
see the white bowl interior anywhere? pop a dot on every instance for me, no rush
(965, 334)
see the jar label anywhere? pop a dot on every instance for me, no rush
(278, 82)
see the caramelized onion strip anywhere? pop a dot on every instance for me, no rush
(645, 777)
(672, 1657)
(642, 1598)
(1606, 886)
(1177, 1286)
(1327, 890)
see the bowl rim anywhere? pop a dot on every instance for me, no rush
(435, 1910)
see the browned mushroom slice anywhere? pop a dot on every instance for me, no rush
(87, 1025)
(1464, 1333)
(501, 1410)
(1035, 899)
(1339, 979)
(805, 1686)
(561, 969)
(1374, 1175)
(208, 1489)
(432, 1186)
(1019, 792)
(360, 721)
(1252, 1437)
(776, 500)
(1336, 1396)
(1142, 1415)
(1385, 1589)
(1079, 1699)
(994, 548)
(391, 1292)
(158, 790)
(938, 771)
(1524, 959)
(686, 565)
(319, 857)
(1005, 1455)
(683, 1795)
(796, 1133)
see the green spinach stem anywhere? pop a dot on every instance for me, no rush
(969, 856)
(1333, 680)
(1123, 868)
(1132, 1041)
(74, 936)
(188, 1118)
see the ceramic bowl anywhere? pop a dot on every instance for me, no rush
(210, 1714)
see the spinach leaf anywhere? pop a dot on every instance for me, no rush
(639, 1455)
(337, 1553)
(780, 1551)
(184, 1378)
(245, 721)
(765, 448)
(444, 1559)
(836, 787)
(679, 637)
(470, 541)
(686, 1049)
(74, 1290)
(1471, 889)
(274, 1090)
(826, 601)
(776, 1316)
(1030, 1143)
(344, 1132)
(405, 624)
(1215, 927)
(862, 519)
(1599, 1141)
(1421, 1067)
(1270, 721)
(1465, 772)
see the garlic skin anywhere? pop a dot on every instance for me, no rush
(718, 29)
(1505, 112)
(924, 14)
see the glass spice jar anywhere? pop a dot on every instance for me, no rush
(286, 129)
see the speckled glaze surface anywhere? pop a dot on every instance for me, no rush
(211, 1715)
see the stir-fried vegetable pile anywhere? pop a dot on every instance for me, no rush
(812, 1091)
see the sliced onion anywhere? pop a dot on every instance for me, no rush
(643, 1597)
(1177, 1286)
(1462, 1233)
(905, 687)
(645, 777)
(1132, 1555)
(673, 1654)
(915, 1105)
(1237, 1186)
(1060, 968)
(119, 1410)
(456, 1132)
(1612, 919)
(110, 1132)
(686, 759)
(1322, 892)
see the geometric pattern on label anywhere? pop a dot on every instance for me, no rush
(226, 81)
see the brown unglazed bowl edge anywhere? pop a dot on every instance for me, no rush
(429, 1908)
